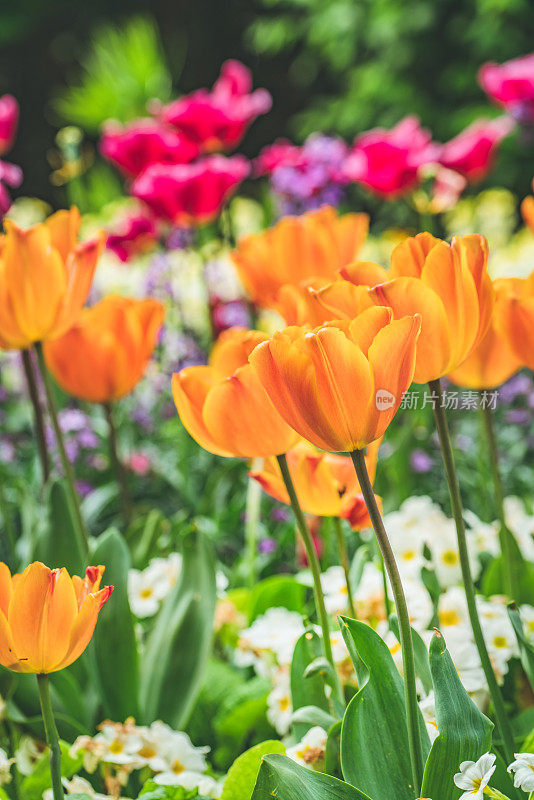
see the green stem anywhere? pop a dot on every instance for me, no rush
(8, 524)
(52, 739)
(314, 566)
(469, 586)
(37, 413)
(510, 579)
(252, 517)
(344, 560)
(67, 467)
(118, 466)
(405, 631)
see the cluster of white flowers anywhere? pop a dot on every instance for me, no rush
(474, 776)
(310, 751)
(168, 753)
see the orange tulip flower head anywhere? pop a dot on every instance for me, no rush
(340, 385)
(514, 318)
(106, 352)
(47, 618)
(45, 276)
(224, 406)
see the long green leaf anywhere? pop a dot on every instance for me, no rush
(242, 775)
(526, 651)
(464, 731)
(374, 735)
(179, 645)
(281, 778)
(307, 691)
(278, 590)
(523, 571)
(115, 647)
(61, 543)
(422, 667)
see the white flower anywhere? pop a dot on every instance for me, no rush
(207, 786)
(335, 590)
(527, 618)
(446, 558)
(77, 786)
(311, 749)
(452, 609)
(221, 582)
(149, 587)
(485, 535)
(279, 707)
(28, 754)
(5, 767)
(523, 769)
(466, 659)
(521, 525)
(428, 710)
(475, 776)
(275, 633)
(177, 752)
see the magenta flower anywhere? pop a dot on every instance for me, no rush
(218, 119)
(472, 153)
(511, 85)
(9, 117)
(190, 194)
(136, 234)
(139, 144)
(387, 162)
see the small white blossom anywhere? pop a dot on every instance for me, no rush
(5, 767)
(523, 769)
(279, 706)
(311, 749)
(474, 776)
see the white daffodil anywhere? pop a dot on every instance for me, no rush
(523, 769)
(474, 776)
(311, 750)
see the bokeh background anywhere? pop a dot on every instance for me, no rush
(338, 66)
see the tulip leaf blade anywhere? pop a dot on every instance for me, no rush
(61, 544)
(526, 650)
(281, 777)
(366, 747)
(179, 645)
(309, 691)
(242, 775)
(276, 591)
(464, 731)
(115, 646)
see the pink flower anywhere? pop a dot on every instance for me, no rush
(9, 117)
(511, 85)
(136, 234)
(143, 142)
(190, 194)
(139, 463)
(387, 162)
(11, 175)
(279, 154)
(472, 153)
(218, 119)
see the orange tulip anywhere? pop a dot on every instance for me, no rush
(527, 211)
(340, 385)
(105, 354)
(224, 406)
(325, 483)
(514, 318)
(45, 276)
(492, 362)
(448, 285)
(314, 245)
(47, 618)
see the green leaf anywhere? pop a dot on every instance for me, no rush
(241, 721)
(523, 570)
(374, 736)
(307, 691)
(280, 777)
(115, 647)
(33, 786)
(309, 716)
(422, 667)
(276, 591)
(464, 731)
(242, 775)
(526, 651)
(179, 645)
(61, 544)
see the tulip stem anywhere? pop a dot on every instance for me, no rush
(344, 560)
(67, 467)
(118, 466)
(508, 572)
(469, 586)
(405, 631)
(37, 413)
(315, 569)
(51, 734)
(252, 516)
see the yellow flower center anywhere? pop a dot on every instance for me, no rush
(148, 592)
(116, 746)
(449, 617)
(284, 703)
(500, 641)
(450, 557)
(408, 555)
(177, 767)
(147, 752)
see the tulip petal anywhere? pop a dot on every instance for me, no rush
(366, 325)
(242, 419)
(81, 264)
(8, 655)
(64, 227)
(5, 588)
(364, 273)
(190, 388)
(392, 357)
(408, 258)
(84, 626)
(342, 299)
(409, 296)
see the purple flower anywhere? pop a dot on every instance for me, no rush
(518, 385)
(180, 238)
(518, 416)
(267, 545)
(421, 462)
(280, 514)
(83, 488)
(229, 315)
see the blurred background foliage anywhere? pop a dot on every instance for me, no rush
(339, 66)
